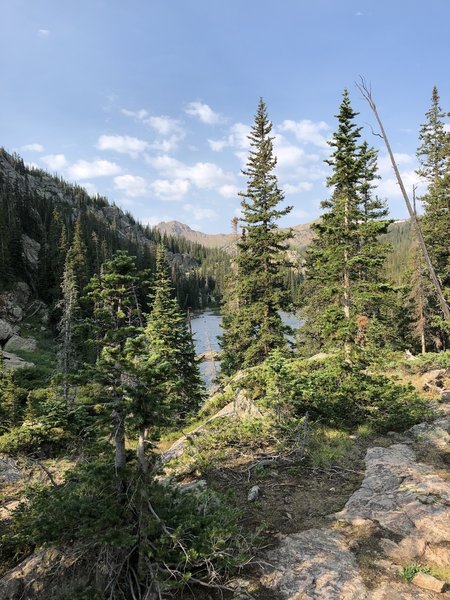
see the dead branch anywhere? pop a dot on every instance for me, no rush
(367, 94)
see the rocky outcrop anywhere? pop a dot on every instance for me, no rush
(9, 471)
(11, 361)
(19, 344)
(6, 331)
(402, 503)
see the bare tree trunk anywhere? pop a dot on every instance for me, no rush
(444, 307)
(141, 454)
(119, 441)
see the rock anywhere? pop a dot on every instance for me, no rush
(438, 554)
(313, 565)
(6, 331)
(253, 493)
(445, 395)
(428, 582)
(11, 361)
(9, 471)
(200, 484)
(433, 379)
(398, 591)
(30, 251)
(19, 344)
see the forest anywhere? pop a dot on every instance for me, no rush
(100, 500)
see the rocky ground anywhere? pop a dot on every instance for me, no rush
(400, 515)
(342, 533)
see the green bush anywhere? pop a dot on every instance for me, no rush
(188, 532)
(337, 394)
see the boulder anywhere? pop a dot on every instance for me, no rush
(428, 582)
(19, 344)
(11, 361)
(30, 251)
(6, 331)
(9, 471)
(314, 564)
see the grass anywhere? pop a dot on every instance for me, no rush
(410, 571)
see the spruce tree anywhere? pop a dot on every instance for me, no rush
(434, 159)
(252, 323)
(344, 292)
(168, 335)
(68, 306)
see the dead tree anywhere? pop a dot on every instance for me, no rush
(367, 94)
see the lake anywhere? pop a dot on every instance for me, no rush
(206, 330)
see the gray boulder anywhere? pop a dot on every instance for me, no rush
(11, 361)
(6, 331)
(30, 251)
(19, 344)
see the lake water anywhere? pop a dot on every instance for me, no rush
(206, 330)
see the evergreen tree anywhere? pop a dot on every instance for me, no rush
(69, 308)
(253, 327)
(168, 335)
(434, 158)
(117, 317)
(344, 293)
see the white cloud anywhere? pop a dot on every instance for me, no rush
(90, 188)
(203, 112)
(389, 188)
(385, 165)
(168, 144)
(84, 169)
(137, 114)
(166, 189)
(302, 186)
(131, 185)
(228, 190)
(204, 175)
(33, 148)
(237, 138)
(123, 144)
(55, 162)
(447, 127)
(288, 155)
(164, 125)
(307, 131)
(43, 33)
(199, 213)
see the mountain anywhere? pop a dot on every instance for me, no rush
(399, 235)
(302, 235)
(42, 216)
(210, 240)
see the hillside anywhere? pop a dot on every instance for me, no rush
(302, 235)
(39, 216)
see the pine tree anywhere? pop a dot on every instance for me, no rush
(69, 308)
(344, 291)
(434, 158)
(168, 335)
(117, 317)
(254, 327)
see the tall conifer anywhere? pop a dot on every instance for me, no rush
(253, 326)
(344, 288)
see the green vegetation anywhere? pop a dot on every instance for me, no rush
(256, 294)
(116, 372)
(410, 571)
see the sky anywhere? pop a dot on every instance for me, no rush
(149, 102)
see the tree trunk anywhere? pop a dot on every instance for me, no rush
(141, 456)
(119, 441)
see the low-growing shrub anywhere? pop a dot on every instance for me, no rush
(336, 393)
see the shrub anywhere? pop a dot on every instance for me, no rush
(337, 393)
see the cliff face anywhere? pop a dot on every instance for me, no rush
(29, 240)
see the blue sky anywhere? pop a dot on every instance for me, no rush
(149, 101)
